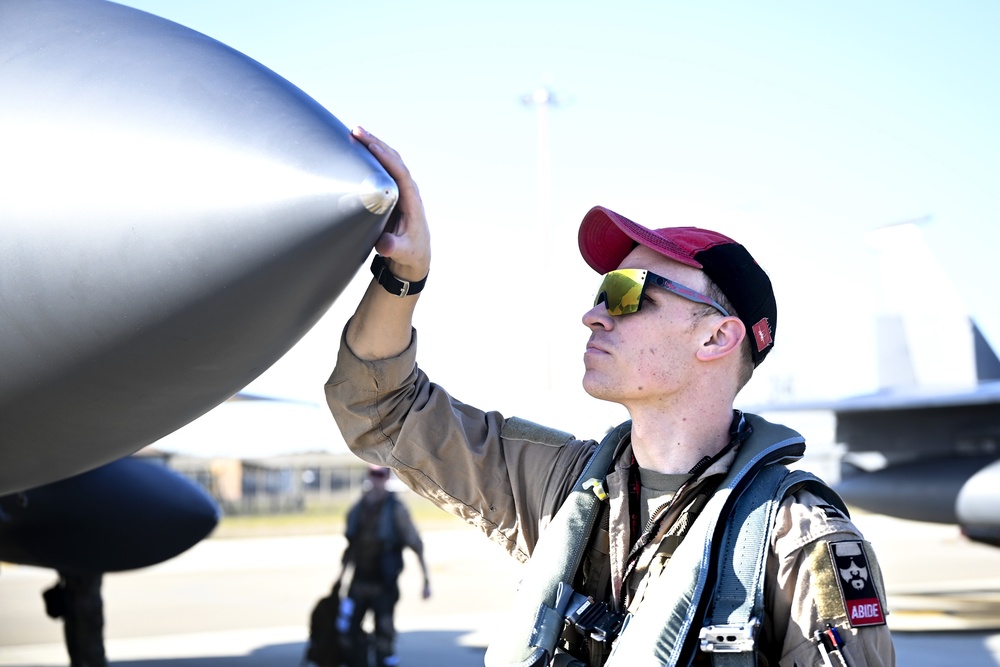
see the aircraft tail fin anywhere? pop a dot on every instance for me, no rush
(919, 345)
(895, 361)
(896, 368)
(987, 362)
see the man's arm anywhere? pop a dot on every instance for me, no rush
(506, 477)
(807, 595)
(382, 324)
(411, 537)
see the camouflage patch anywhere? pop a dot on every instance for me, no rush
(825, 591)
(858, 585)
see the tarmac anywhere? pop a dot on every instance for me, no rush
(245, 602)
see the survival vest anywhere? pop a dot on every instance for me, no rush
(374, 540)
(705, 598)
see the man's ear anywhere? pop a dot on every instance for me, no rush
(724, 339)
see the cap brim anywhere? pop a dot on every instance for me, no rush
(606, 238)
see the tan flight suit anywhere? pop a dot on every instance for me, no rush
(508, 477)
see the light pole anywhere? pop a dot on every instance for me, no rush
(541, 99)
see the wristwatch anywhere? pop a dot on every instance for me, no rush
(392, 284)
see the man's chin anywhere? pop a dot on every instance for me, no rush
(598, 389)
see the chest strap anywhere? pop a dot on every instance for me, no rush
(561, 550)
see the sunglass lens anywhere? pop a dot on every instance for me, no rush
(622, 291)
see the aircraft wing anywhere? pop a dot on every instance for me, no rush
(923, 455)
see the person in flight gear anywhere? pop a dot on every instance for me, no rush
(378, 528)
(682, 537)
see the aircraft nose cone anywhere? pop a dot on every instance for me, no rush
(175, 216)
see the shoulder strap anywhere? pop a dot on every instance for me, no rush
(532, 629)
(738, 604)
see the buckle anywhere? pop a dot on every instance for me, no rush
(594, 619)
(728, 638)
(404, 288)
(391, 282)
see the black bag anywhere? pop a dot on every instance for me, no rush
(55, 601)
(326, 647)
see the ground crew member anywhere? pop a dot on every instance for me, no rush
(682, 318)
(378, 528)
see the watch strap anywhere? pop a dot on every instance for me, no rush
(392, 284)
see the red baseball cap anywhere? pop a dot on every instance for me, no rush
(606, 238)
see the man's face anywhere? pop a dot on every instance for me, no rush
(648, 355)
(378, 479)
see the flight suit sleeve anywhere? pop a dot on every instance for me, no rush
(505, 476)
(827, 596)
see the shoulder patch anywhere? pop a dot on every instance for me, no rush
(516, 428)
(858, 585)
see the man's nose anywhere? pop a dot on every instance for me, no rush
(598, 317)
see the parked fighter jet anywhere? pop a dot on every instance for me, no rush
(916, 449)
(174, 216)
(939, 453)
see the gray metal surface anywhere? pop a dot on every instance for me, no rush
(173, 218)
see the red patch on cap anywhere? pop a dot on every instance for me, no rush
(762, 334)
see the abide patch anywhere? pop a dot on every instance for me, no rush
(857, 586)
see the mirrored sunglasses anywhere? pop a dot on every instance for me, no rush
(622, 291)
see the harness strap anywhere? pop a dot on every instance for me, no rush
(561, 548)
(733, 622)
(736, 609)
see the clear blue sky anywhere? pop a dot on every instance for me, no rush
(795, 127)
